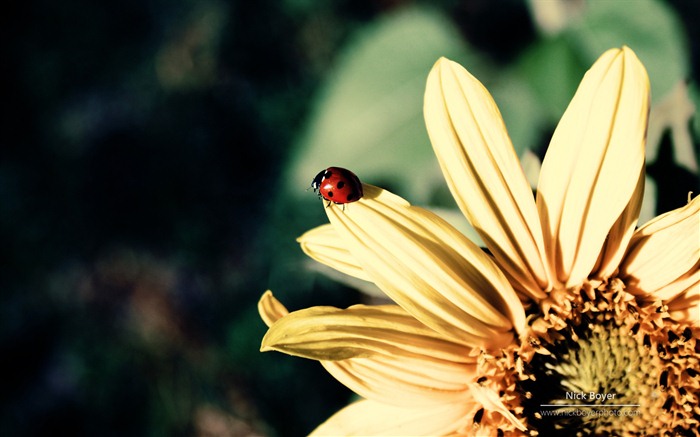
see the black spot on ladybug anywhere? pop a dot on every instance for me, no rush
(329, 194)
(352, 196)
(340, 185)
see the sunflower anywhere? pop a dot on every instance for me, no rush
(572, 320)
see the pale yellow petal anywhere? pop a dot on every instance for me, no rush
(686, 306)
(484, 174)
(327, 333)
(677, 287)
(423, 370)
(365, 418)
(362, 285)
(662, 251)
(270, 309)
(430, 269)
(492, 402)
(324, 245)
(620, 234)
(405, 379)
(592, 166)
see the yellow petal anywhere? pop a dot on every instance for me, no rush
(361, 285)
(592, 166)
(270, 309)
(679, 286)
(325, 246)
(492, 402)
(327, 333)
(686, 306)
(430, 269)
(620, 234)
(405, 379)
(364, 418)
(662, 251)
(484, 174)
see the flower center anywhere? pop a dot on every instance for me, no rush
(595, 384)
(600, 361)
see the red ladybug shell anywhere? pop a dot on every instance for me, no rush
(337, 185)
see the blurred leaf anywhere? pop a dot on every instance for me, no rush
(648, 27)
(553, 16)
(552, 67)
(648, 210)
(674, 114)
(369, 116)
(553, 70)
(523, 112)
(694, 95)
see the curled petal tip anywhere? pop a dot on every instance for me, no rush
(270, 309)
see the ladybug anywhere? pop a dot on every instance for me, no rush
(337, 185)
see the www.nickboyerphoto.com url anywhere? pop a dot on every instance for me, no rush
(590, 412)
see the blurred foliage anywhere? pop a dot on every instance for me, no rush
(154, 162)
(372, 103)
